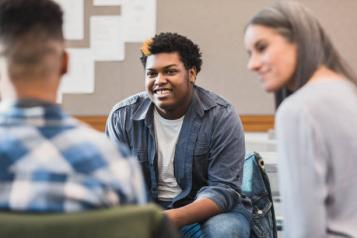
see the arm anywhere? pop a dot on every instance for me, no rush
(225, 164)
(225, 160)
(114, 127)
(116, 132)
(302, 171)
(197, 211)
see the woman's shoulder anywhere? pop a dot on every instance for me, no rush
(318, 99)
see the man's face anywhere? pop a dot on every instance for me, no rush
(169, 84)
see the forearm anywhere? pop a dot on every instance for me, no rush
(196, 211)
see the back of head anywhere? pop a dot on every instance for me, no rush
(30, 31)
(172, 42)
(298, 24)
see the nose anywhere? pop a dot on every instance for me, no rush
(160, 79)
(254, 63)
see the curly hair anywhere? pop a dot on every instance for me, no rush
(169, 42)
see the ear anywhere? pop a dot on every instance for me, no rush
(64, 63)
(192, 74)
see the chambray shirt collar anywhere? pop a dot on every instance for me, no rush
(142, 110)
(198, 104)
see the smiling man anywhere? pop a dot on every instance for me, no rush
(188, 140)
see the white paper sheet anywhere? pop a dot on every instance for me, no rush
(139, 20)
(106, 38)
(73, 18)
(108, 2)
(80, 76)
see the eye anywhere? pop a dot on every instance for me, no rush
(261, 47)
(151, 74)
(171, 71)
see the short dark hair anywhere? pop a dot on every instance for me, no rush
(29, 24)
(169, 42)
(296, 23)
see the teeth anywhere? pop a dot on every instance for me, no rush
(162, 91)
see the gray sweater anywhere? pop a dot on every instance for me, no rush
(317, 149)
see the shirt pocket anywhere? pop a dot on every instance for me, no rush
(200, 161)
(201, 151)
(142, 156)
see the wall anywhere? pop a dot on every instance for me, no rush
(217, 26)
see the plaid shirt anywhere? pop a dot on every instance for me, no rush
(50, 162)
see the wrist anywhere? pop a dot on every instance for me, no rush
(176, 217)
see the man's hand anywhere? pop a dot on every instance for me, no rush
(197, 211)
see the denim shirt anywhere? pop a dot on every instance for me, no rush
(209, 152)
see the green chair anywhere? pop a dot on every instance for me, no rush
(119, 222)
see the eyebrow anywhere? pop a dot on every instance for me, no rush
(165, 67)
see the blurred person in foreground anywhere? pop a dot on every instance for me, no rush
(316, 126)
(49, 161)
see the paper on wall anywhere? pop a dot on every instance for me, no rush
(139, 20)
(106, 38)
(108, 2)
(80, 75)
(73, 18)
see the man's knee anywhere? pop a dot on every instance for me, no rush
(227, 225)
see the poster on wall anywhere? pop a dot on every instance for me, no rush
(139, 20)
(80, 75)
(73, 18)
(108, 2)
(106, 38)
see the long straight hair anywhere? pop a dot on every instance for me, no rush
(314, 48)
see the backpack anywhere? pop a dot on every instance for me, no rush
(256, 186)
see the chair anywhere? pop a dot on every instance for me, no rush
(119, 222)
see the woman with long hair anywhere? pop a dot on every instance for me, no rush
(316, 126)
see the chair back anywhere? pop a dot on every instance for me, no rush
(119, 222)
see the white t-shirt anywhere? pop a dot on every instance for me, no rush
(167, 132)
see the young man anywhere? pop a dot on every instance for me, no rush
(50, 162)
(189, 141)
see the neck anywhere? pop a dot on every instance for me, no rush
(323, 73)
(45, 97)
(38, 90)
(171, 115)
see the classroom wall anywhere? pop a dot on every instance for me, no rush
(217, 27)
